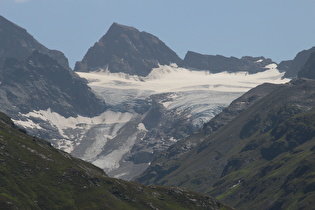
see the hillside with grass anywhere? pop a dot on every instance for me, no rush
(34, 175)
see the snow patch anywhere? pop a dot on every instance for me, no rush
(63, 123)
(173, 139)
(118, 119)
(117, 176)
(141, 127)
(27, 124)
(65, 145)
(111, 161)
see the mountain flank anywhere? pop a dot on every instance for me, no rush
(126, 49)
(34, 78)
(41, 83)
(308, 70)
(292, 67)
(266, 150)
(16, 42)
(34, 175)
(184, 145)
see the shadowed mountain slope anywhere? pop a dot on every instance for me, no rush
(227, 115)
(264, 158)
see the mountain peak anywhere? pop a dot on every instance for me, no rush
(126, 49)
(17, 43)
(116, 30)
(116, 25)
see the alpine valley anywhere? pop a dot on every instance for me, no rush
(237, 129)
(152, 99)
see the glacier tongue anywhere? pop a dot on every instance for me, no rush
(145, 115)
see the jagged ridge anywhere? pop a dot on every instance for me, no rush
(125, 49)
(219, 63)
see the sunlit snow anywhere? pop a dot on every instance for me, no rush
(174, 79)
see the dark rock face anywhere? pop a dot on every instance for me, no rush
(39, 83)
(308, 70)
(125, 49)
(16, 42)
(219, 63)
(292, 67)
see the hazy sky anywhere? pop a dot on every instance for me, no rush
(277, 29)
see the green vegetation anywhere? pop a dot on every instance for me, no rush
(34, 175)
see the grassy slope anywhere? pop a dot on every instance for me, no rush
(34, 175)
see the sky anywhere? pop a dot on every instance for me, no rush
(276, 29)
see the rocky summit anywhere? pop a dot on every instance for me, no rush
(126, 49)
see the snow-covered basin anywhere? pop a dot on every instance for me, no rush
(200, 92)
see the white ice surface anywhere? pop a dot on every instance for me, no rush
(198, 91)
(173, 79)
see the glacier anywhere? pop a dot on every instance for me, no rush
(145, 115)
